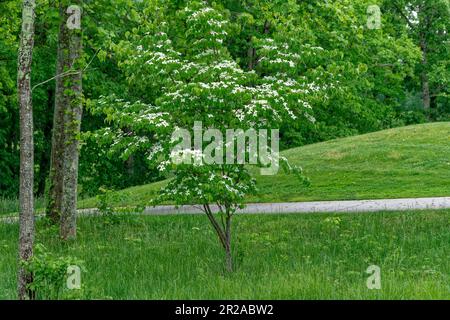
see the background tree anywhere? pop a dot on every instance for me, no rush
(427, 23)
(26, 215)
(9, 111)
(43, 95)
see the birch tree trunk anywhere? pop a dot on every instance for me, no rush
(26, 218)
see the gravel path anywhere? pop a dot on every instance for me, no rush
(359, 206)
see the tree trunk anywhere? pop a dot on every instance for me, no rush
(220, 233)
(224, 234)
(130, 167)
(26, 218)
(71, 91)
(251, 53)
(45, 158)
(54, 200)
(251, 56)
(228, 252)
(62, 196)
(426, 92)
(54, 196)
(426, 99)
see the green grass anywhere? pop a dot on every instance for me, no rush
(9, 205)
(405, 162)
(315, 256)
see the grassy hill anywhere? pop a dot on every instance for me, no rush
(411, 161)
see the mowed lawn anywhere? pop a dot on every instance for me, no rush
(314, 256)
(405, 162)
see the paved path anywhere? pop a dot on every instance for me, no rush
(321, 206)
(303, 207)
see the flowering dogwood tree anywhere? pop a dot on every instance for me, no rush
(195, 80)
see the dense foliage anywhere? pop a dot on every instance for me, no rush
(374, 77)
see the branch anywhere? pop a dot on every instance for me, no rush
(216, 226)
(66, 73)
(410, 24)
(221, 214)
(387, 65)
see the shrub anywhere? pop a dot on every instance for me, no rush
(50, 275)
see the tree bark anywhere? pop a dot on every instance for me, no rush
(62, 196)
(26, 217)
(426, 91)
(71, 40)
(426, 99)
(54, 197)
(54, 200)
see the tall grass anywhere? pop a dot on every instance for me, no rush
(11, 206)
(314, 256)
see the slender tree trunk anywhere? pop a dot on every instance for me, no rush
(251, 53)
(251, 56)
(72, 96)
(426, 91)
(266, 27)
(54, 196)
(228, 252)
(220, 233)
(26, 218)
(224, 234)
(130, 166)
(426, 99)
(45, 157)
